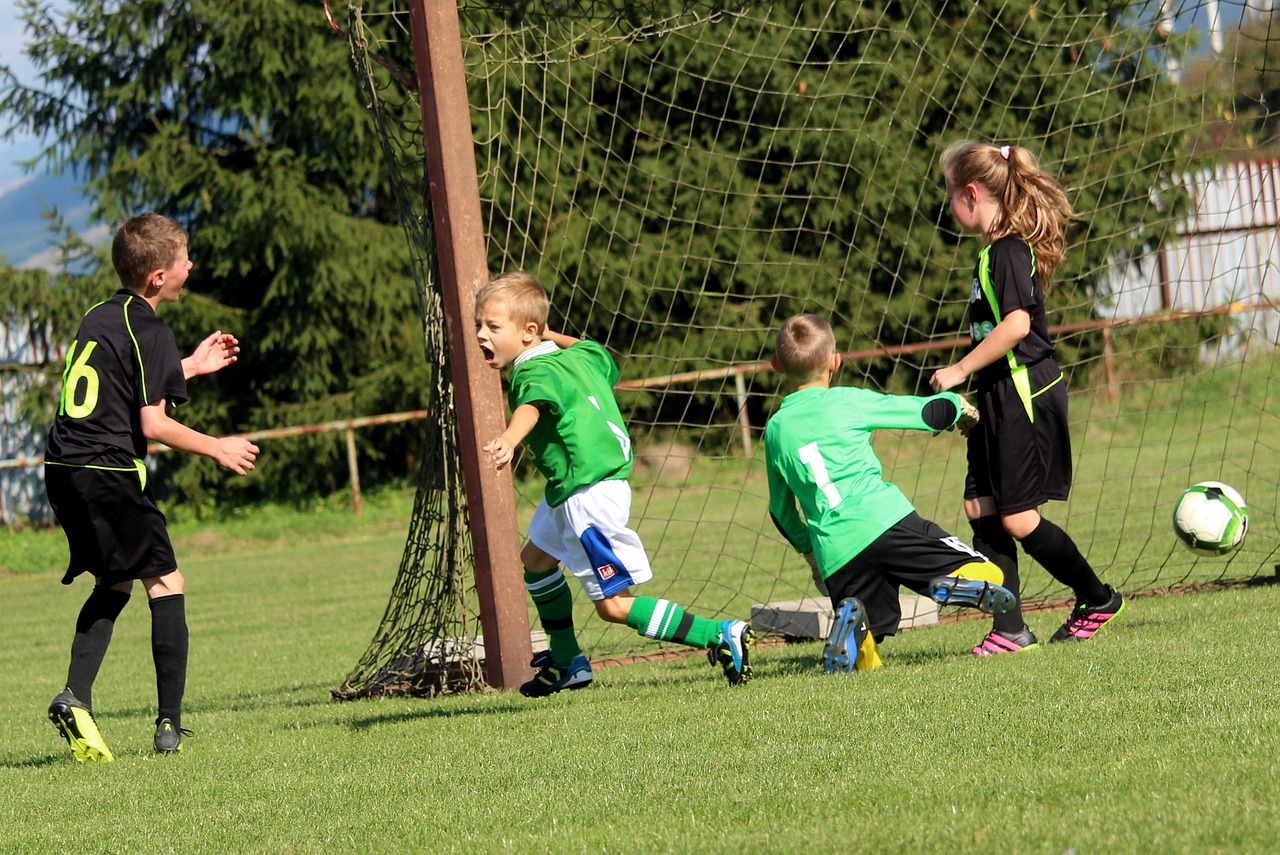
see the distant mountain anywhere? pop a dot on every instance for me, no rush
(25, 239)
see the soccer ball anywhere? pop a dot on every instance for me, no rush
(1210, 518)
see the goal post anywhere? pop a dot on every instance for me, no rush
(460, 259)
(682, 175)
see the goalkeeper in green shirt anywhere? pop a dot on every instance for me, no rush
(860, 534)
(564, 412)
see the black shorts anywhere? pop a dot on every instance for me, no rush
(1020, 463)
(911, 554)
(113, 527)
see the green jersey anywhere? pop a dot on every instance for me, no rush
(579, 439)
(819, 455)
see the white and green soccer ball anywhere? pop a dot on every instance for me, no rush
(1210, 518)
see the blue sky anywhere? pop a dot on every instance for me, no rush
(11, 54)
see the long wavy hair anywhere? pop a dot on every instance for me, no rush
(1033, 204)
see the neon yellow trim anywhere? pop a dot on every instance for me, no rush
(139, 468)
(1021, 382)
(982, 571)
(142, 369)
(1055, 382)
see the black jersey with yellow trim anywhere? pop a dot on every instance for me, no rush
(1006, 279)
(122, 359)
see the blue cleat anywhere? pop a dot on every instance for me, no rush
(731, 654)
(986, 597)
(554, 678)
(840, 654)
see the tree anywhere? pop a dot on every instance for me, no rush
(717, 172)
(241, 119)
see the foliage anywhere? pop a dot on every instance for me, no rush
(1246, 79)
(240, 120)
(720, 174)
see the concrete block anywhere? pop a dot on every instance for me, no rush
(812, 617)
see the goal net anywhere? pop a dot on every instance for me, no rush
(683, 176)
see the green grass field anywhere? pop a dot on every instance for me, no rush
(1162, 734)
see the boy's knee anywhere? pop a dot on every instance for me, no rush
(614, 609)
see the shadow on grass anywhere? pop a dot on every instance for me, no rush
(37, 762)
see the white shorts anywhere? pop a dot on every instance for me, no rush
(588, 533)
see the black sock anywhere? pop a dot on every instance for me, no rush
(169, 650)
(94, 626)
(1057, 553)
(990, 538)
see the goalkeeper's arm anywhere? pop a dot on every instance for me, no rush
(941, 413)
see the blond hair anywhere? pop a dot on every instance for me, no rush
(525, 300)
(144, 244)
(1033, 204)
(805, 345)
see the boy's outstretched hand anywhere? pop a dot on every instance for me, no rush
(236, 453)
(968, 417)
(500, 452)
(216, 352)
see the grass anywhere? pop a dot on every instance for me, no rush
(1160, 735)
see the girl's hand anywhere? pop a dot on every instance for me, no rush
(947, 378)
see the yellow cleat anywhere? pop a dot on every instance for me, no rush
(75, 722)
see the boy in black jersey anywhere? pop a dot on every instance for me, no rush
(122, 371)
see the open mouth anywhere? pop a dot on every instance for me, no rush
(488, 353)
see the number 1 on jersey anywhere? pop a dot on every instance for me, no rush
(810, 456)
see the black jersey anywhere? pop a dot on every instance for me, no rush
(123, 358)
(1005, 280)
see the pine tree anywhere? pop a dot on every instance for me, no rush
(242, 120)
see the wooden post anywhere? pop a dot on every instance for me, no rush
(459, 233)
(353, 470)
(744, 420)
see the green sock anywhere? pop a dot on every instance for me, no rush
(667, 621)
(551, 597)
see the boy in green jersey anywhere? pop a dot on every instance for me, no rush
(860, 534)
(564, 411)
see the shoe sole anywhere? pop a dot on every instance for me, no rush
(984, 596)
(835, 653)
(77, 728)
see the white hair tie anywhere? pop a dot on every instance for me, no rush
(1004, 152)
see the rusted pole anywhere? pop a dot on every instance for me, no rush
(459, 234)
(353, 469)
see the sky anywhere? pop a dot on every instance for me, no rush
(11, 54)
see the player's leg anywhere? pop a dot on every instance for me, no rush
(170, 642)
(615, 560)
(71, 711)
(553, 601)
(1096, 602)
(1049, 472)
(1001, 444)
(919, 554)
(76, 496)
(563, 666)
(867, 610)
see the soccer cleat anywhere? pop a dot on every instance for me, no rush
(554, 678)
(1002, 642)
(731, 653)
(75, 722)
(169, 738)
(986, 597)
(850, 632)
(1085, 620)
